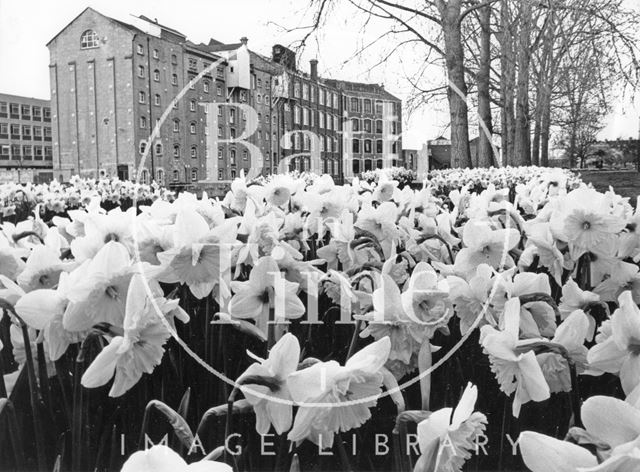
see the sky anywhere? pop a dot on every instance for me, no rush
(27, 25)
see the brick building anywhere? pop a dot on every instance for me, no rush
(26, 151)
(111, 82)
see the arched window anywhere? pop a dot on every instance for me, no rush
(379, 146)
(144, 176)
(379, 163)
(356, 145)
(159, 149)
(176, 125)
(89, 39)
(356, 166)
(378, 126)
(192, 127)
(156, 75)
(176, 175)
(194, 175)
(194, 152)
(176, 151)
(160, 176)
(367, 145)
(355, 122)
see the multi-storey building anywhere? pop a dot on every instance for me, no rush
(373, 126)
(25, 139)
(113, 82)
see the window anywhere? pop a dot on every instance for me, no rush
(205, 86)
(142, 97)
(192, 127)
(88, 40)
(219, 131)
(394, 147)
(5, 151)
(159, 149)
(313, 94)
(266, 99)
(243, 96)
(296, 115)
(321, 93)
(367, 145)
(245, 155)
(174, 59)
(176, 151)
(176, 125)
(37, 153)
(48, 153)
(305, 91)
(305, 116)
(232, 160)
(379, 146)
(174, 79)
(232, 133)
(25, 111)
(156, 55)
(140, 49)
(4, 110)
(356, 145)
(378, 107)
(14, 109)
(233, 173)
(26, 132)
(367, 105)
(355, 123)
(259, 98)
(27, 152)
(296, 89)
(144, 176)
(378, 126)
(37, 113)
(219, 153)
(15, 151)
(140, 71)
(47, 114)
(367, 126)
(176, 175)
(143, 122)
(160, 176)
(220, 72)
(194, 175)
(354, 104)
(220, 176)
(156, 99)
(156, 75)
(192, 105)
(4, 130)
(15, 131)
(194, 152)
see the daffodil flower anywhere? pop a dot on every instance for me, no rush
(447, 436)
(514, 370)
(282, 361)
(266, 289)
(331, 384)
(161, 458)
(484, 245)
(141, 347)
(618, 352)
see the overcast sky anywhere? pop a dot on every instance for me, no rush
(27, 25)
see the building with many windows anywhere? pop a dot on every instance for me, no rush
(112, 82)
(25, 139)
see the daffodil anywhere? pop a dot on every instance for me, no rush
(265, 290)
(484, 245)
(141, 347)
(358, 382)
(282, 361)
(447, 436)
(618, 351)
(515, 371)
(160, 458)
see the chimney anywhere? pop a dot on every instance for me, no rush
(314, 69)
(244, 40)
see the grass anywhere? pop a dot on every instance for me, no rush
(624, 182)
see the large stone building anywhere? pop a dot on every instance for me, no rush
(219, 104)
(26, 151)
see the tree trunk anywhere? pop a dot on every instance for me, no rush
(485, 148)
(545, 130)
(523, 131)
(507, 84)
(457, 91)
